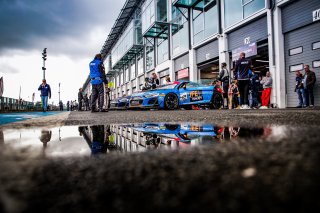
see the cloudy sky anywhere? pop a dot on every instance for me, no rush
(71, 30)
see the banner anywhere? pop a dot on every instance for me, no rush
(248, 49)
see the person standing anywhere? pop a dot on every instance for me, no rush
(267, 85)
(86, 102)
(98, 77)
(80, 98)
(45, 93)
(255, 85)
(154, 80)
(300, 90)
(309, 81)
(61, 105)
(241, 74)
(68, 105)
(167, 80)
(224, 77)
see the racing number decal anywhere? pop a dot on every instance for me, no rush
(196, 96)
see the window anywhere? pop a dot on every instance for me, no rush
(237, 10)
(316, 45)
(297, 67)
(295, 51)
(316, 64)
(127, 74)
(180, 30)
(252, 7)
(205, 20)
(140, 65)
(162, 50)
(149, 53)
(133, 71)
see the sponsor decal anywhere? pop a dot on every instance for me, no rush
(196, 96)
(162, 95)
(134, 103)
(195, 128)
(183, 96)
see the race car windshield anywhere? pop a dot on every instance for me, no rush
(168, 86)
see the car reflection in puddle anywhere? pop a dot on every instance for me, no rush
(149, 136)
(72, 141)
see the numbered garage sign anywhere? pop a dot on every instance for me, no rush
(316, 15)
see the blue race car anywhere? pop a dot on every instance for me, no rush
(184, 132)
(178, 94)
(120, 103)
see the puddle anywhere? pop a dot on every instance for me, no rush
(72, 141)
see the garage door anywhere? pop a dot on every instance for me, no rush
(302, 47)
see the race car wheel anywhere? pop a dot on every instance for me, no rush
(171, 101)
(216, 101)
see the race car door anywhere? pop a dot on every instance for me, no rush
(190, 93)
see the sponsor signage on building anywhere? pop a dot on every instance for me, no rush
(248, 49)
(316, 15)
(183, 73)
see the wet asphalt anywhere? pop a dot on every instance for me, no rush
(252, 175)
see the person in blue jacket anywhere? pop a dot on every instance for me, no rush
(45, 93)
(255, 84)
(98, 77)
(242, 75)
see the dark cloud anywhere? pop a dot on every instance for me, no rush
(64, 26)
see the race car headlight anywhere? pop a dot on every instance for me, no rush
(123, 100)
(152, 95)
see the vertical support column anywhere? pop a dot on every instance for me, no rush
(193, 70)
(272, 66)
(279, 86)
(223, 51)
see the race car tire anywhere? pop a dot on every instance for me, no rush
(216, 101)
(171, 101)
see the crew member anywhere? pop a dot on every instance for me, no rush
(98, 77)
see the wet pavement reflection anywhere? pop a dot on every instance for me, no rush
(69, 141)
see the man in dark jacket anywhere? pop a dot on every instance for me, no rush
(309, 82)
(98, 77)
(242, 74)
(45, 93)
(80, 98)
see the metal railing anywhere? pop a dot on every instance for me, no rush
(14, 105)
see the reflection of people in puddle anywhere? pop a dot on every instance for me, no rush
(98, 146)
(45, 137)
(110, 139)
(234, 132)
(1, 138)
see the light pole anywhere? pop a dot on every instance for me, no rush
(44, 57)
(59, 93)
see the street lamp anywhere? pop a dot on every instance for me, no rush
(59, 93)
(44, 57)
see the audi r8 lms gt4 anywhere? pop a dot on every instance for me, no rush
(120, 103)
(178, 94)
(184, 132)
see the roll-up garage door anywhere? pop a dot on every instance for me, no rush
(181, 62)
(255, 31)
(302, 47)
(207, 52)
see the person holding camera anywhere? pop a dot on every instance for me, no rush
(45, 93)
(224, 77)
(98, 77)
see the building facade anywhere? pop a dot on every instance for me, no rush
(189, 39)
